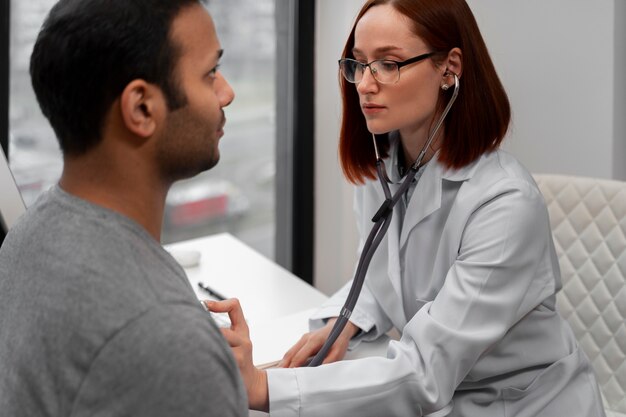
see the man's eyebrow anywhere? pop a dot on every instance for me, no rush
(220, 53)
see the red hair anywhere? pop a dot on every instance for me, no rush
(477, 121)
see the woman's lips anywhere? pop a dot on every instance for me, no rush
(371, 108)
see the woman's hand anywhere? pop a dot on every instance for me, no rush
(238, 337)
(310, 343)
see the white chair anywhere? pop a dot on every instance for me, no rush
(588, 221)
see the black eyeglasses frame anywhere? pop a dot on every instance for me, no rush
(398, 64)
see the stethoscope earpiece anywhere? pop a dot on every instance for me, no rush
(445, 86)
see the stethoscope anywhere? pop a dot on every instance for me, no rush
(382, 220)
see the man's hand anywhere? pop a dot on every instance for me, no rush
(238, 337)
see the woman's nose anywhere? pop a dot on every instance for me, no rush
(368, 83)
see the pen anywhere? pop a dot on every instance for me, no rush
(211, 291)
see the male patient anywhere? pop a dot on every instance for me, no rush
(96, 319)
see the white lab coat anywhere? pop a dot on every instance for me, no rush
(469, 277)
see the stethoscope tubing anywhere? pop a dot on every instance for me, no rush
(382, 220)
(373, 240)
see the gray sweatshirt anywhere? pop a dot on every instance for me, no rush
(97, 319)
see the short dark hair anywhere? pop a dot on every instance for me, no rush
(89, 50)
(478, 120)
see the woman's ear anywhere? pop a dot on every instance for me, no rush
(142, 106)
(454, 62)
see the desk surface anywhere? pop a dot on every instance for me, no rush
(265, 290)
(276, 303)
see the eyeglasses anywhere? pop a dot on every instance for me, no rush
(385, 71)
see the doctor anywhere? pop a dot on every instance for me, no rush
(467, 271)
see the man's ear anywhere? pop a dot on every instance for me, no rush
(143, 107)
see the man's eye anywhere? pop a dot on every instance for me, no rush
(213, 71)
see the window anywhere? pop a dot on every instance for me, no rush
(238, 195)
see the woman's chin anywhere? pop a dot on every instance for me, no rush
(377, 129)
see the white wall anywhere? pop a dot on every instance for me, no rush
(335, 230)
(557, 62)
(619, 108)
(562, 63)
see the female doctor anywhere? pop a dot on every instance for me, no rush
(467, 272)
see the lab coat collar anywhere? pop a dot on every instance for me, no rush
(392, 163)
(426, 198)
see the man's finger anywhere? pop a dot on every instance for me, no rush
(233, 308)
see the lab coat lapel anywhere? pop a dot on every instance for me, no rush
(426, 199)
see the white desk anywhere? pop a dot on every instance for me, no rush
(266, 290)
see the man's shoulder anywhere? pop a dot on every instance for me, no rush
(79, 279)
(61, 234)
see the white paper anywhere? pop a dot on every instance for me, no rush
(271, 340)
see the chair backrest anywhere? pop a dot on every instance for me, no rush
(588, 221)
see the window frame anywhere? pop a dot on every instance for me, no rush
(5, 19)
(295, 200)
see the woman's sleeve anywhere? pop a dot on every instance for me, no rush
(496, 279)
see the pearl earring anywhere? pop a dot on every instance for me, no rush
(445, 87)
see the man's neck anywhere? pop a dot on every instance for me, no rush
(135, 194)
